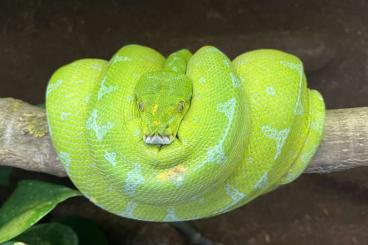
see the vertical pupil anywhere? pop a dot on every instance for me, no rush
(181, 106)
(140, 106)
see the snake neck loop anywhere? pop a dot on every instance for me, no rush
(209, 133)
(177, 62)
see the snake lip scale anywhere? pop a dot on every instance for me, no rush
(158, 139)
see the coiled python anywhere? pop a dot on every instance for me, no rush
(186, 137)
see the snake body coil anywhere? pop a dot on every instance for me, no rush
(252, 125)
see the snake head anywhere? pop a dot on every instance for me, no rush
(162, 100)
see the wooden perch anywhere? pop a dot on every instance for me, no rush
(25, 142)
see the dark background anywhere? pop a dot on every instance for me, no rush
(36, 37)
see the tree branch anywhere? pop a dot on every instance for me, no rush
(345, 141)
(25, 142)
(24, 139)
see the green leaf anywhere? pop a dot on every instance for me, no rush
(51, 233)
(88, 232)
(5, 172)
(31, 201)
(13, 243)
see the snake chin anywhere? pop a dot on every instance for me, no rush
(158, 139)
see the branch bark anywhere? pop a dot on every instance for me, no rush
(25, 142)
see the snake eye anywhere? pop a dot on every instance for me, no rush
(141, 106)
(181, 106)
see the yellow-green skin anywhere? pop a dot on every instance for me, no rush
(252, 125)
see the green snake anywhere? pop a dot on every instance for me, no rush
(186, 137)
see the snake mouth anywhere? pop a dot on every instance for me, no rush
(158, 139)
